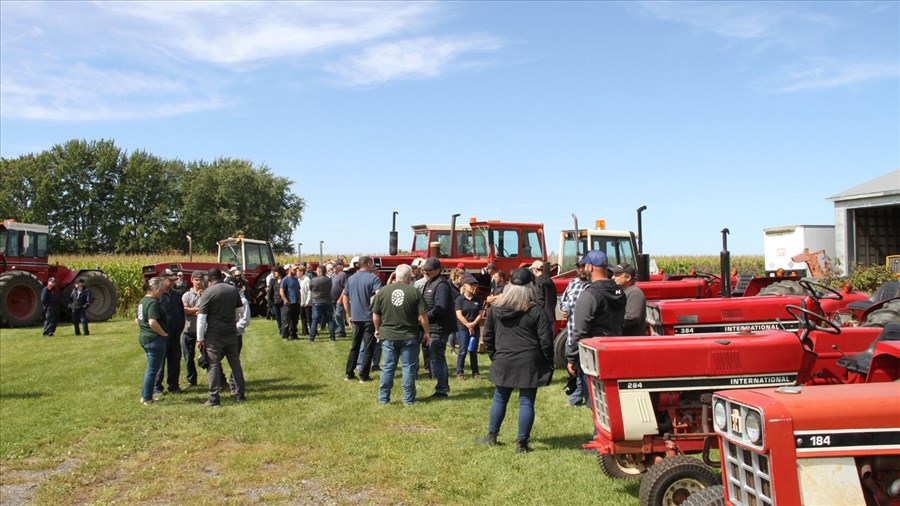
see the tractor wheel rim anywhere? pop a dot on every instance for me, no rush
(20, 302)
(679, 491)
(627, 466)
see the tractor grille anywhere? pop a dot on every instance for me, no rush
(747, 475)
(601, 409)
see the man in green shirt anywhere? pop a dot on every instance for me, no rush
(397, 312)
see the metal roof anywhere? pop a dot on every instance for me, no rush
(888, 184)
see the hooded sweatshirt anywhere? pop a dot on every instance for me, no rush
(520, 344)
(600, 311)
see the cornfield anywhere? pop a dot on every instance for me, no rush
(125, 270)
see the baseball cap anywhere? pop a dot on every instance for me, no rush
(338, 263)
(521, 276)
(288, 266)
(168, 274)
(180, 273)
(490, 265)
(238, 273)
(51, 280)
(460, 265)
(537, 264)
(197, 275)
(596, 258)
(432, 264)
(418, 262)
(624, 268)
(469, 279)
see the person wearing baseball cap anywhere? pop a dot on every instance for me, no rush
(636, 304)
(600, 310)
(519, 339)
(50, 302)
(441, 322)
(545, 287)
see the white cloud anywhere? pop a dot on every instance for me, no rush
(750, 20)
(424, 57)
(116, 60)
(830, 74)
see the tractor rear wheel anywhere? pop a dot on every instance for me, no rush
(104, 297)
(710, 496)
(672, 480)
(258, 308)
(560, 349)
(20, 299)
(620, 467)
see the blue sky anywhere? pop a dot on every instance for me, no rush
(743, 115)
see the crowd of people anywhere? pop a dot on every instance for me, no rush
(417, 308)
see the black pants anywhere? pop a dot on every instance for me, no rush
(362, 332)
(305, 318)
(188, 347)
(80, 316)
(172, 365)
(51, 316)
(292, 316)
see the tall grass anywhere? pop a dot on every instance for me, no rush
(74, 430)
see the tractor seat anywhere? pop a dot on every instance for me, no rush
(886, 291)
(860, 362)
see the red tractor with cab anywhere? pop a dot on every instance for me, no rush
(253, 257)
(647, 412)
(24, 271)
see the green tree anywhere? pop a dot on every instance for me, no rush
(147, 203)
(229, 196)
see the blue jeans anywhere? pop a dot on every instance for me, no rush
(278, 310)
(526, 410)
(463, 338)
(321, 313)
(156, 353)
(438, 349)
(339, 321)
(407, 352)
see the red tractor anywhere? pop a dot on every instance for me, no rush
(647, 412)
(24, 270)
(254, 258)
(830, 444)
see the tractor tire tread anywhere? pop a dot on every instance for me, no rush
(10, 280)
(709, 496)
(611, 469)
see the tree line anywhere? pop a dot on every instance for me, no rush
(98, 198)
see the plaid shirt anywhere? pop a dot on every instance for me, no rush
(567, 303)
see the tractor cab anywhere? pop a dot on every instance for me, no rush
(246, 254)
(23, 246)
(620, 246)
(508, 245)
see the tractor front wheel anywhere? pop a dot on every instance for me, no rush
(20, 299)
(710, 496)
(671, 481)
(621, 467)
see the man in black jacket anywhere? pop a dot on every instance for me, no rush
(600, 310)
(546, 291)
(441, 323)
(79, 300)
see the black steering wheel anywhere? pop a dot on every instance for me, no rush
(826, 292)
(707, 275)
(805, 317)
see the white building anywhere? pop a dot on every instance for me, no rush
(867, 221)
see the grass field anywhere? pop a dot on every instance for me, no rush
(72, 432)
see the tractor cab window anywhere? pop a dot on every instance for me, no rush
(444, 239)
(42, 250)
(570, 252)
(617, 249)
(482, 242)
(3, 241)
(21, 243)
(420, 242)
(531, 244)
(229, 253)
(256, 255)
(506, 243)
(463, 244)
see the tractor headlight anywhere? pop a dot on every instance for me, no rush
(753, 427)
(719, 416)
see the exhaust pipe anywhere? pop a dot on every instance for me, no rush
(392, 246)
(321, 255)
(578, 251)
(453, 235)
(643, 266)
(725, 259)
